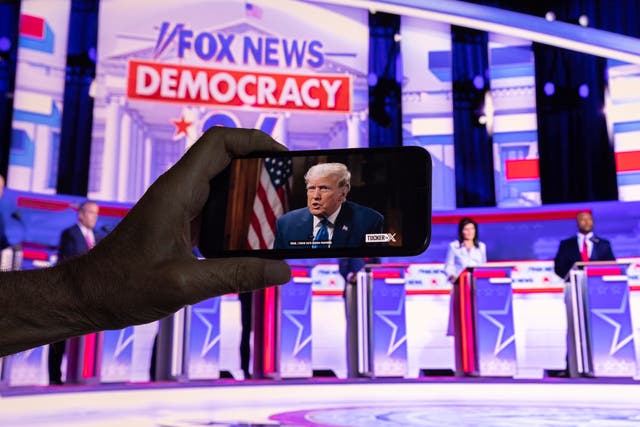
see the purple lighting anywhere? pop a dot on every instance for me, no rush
(92, 54)
(5, 43)
(372, 79)
(583, 90)
(549, 88)
(478, 82)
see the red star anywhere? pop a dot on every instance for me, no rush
(181, 126)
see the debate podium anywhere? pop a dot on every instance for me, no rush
(600, 340)
(380, 321)
(282, 344)
(483, 319)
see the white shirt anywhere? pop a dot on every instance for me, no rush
(459, 257)
(330, 226)
(581, 238)
(88, 234)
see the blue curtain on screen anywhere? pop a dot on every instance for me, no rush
(77, 114)
(9, 27)
(472, 144)
(385, 95)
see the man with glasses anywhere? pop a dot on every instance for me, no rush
(329, 220)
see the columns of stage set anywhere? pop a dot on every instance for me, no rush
(600, 337)
(483, 317)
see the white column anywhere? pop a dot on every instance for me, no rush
(146, 178)
(108, 178)
(122, 171)
(42, 152)
(353, 131)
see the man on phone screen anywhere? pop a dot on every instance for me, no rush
(329, 220)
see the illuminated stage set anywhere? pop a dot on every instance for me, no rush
(528, 348)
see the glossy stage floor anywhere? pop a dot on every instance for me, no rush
(370, 403)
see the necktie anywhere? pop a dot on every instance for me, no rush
(585, 251)
(88, 240)
(322, 236)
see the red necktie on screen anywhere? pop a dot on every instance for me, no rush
(585, 250)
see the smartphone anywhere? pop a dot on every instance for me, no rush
(360, 202)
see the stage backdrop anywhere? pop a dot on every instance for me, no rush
(38, 95)
(168, 70)
(623, 117)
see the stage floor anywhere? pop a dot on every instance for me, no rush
(450, 402)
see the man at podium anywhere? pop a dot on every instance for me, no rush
(585, 246)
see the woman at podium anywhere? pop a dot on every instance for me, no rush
(466, 251)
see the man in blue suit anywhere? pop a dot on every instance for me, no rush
(329, 220)
(584, 246)
(74, 241)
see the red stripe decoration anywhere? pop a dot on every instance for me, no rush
(89, 356)
(603, 271)
(549, 290)
(114, 211)
(35, 254)
(628, 161)
(42, 204)
(510, 216)
(466, 323)
(32, 26)
(427, 292)
(488, 274)
(522, 169)
(269, 340)
(386, 275)
(299, 273)
(328, 293)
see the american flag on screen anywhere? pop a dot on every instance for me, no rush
(270, 202)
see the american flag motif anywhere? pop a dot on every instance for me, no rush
(270, 202)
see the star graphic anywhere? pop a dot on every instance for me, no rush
(182, 126)
(623, 311)
(291, 315)
(209, 341)
(124, 339)
(384, 315)
(490, 315)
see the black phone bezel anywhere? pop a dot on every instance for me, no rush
(415, 164)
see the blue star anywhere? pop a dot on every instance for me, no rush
(209, 341)
(616, 343)
(124, 340)
(399, 313)
(490, 316)
(291, 315)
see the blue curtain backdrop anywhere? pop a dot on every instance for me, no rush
(77, 118)
(472, 143)
(385, 92)
(9, 26)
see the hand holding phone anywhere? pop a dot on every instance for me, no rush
(321, 204)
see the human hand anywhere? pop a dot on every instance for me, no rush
(144, 269)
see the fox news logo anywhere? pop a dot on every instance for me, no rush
(257, 50)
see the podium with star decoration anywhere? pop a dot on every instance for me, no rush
(600, 331)
(203, 345)
(286, 338)
(117, 355)
(484, 331)
(382, 331)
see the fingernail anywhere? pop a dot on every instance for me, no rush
(276, 272)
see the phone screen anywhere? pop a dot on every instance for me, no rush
(320, 204)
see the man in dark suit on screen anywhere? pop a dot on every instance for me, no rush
(329, 220)
(74, 241)
(584, 246)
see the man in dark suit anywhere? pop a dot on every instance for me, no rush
(584, 246)
(329, 220)
(74, 241)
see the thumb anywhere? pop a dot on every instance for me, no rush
(213, 277)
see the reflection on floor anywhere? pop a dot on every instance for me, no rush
(370, 403)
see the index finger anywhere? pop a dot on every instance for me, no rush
(217, 146)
